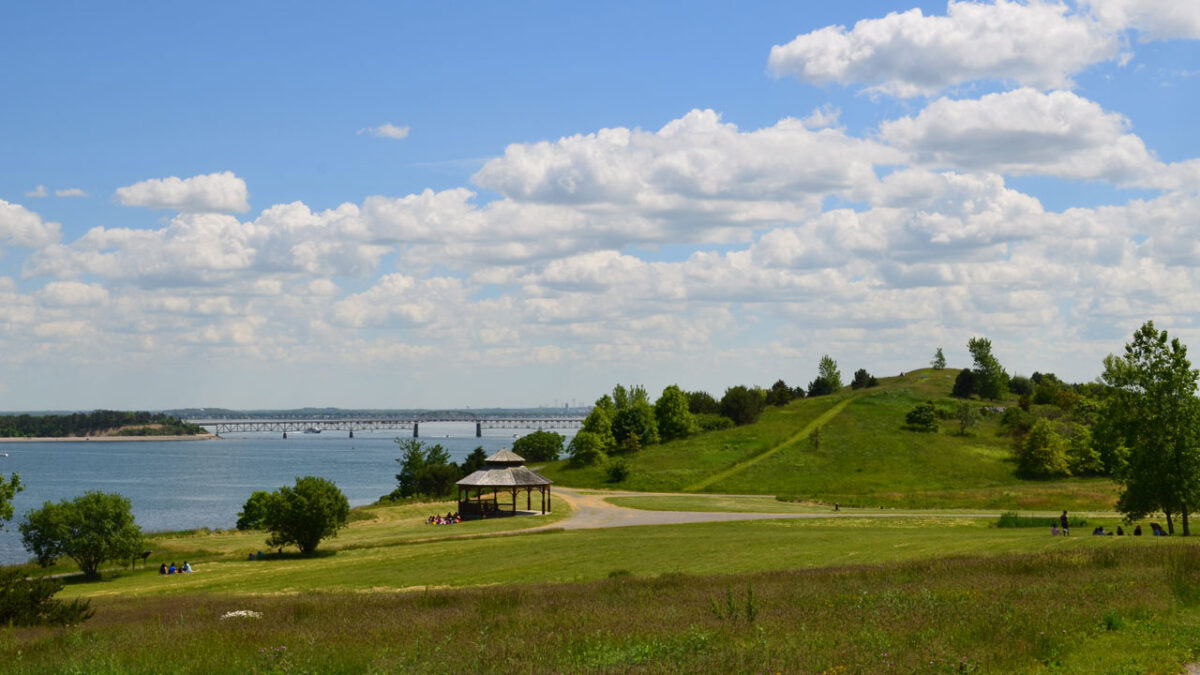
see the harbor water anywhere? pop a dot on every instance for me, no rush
(181, 485)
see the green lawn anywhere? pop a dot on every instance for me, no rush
(583, 555)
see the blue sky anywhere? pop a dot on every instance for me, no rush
(202, 206)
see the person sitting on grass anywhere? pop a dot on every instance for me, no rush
(1137, 531)
(171, 569)
(187, 567)
(1053, 530)
(1158, 531)
(162, 569)
(1120, 532)
(1099, 531)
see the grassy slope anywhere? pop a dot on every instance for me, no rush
(866, 457)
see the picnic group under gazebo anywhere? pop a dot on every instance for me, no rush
(502, 473)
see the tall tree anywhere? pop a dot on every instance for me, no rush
(92, 528)
(1044, 453)
(827, 370)
(1152, 406)
(990, 379)
(599, 422)
(939, 360)
(672, 414)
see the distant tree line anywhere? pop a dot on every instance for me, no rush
(98, 421)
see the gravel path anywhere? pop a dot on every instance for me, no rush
(591, 511)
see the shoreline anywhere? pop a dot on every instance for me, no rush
(108, 439)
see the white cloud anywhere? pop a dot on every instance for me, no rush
(1025, 132)
(37, 192)
(1039, 44)
(71, 192)
(1154, 19)
(387, 130)
(73, 294)
(214, 192)
(21, 227)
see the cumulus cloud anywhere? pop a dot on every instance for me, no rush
(1039, 44)
(1024, 132)
(22, 227)
(215, 192)
(387, 130)
(72, 294)
(1153, 19)
(70, 192)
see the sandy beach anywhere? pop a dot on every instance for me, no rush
(107, 439)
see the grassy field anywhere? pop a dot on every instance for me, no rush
(1089, 606)
(384, 563)
(865, 458)
(370, 527)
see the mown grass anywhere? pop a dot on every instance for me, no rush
(1074, 610)
(585, 555)
(865, 458)
(370, 527)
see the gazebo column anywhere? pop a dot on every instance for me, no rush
(528, 499)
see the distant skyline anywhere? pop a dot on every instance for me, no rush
(438, 205)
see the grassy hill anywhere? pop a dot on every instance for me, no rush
(866, 457)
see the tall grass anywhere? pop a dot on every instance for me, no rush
(1074, 610)
(1014, 519)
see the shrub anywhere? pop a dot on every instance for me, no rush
(922, 418)
(713, 422)
(30, 602)
(617, 470)
(863, 379)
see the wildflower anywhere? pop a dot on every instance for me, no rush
(242, 614)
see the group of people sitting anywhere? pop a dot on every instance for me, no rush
(448, 519)
(1157, 530)
(185, 568)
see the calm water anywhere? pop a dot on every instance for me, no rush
(185, 485)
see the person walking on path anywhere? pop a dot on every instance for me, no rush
(1062, 520)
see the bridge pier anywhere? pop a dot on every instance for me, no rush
(416, 425)
(351, 433)
(478, 429)
(285, 435)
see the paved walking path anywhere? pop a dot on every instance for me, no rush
(592, 511)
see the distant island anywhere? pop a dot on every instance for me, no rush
(98, 425)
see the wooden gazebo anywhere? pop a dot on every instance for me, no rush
(504, 472)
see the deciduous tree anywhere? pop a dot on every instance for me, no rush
(939, 360)
(304, 514)
(742, 404)
(672, 415)
(1044, 454)
(1152, 406)
(991, 381)
(539, 446)
(93, 528)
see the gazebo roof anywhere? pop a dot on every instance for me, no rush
(512, 476)
(504, 469)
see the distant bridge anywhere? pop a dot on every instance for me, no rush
(352, 424)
